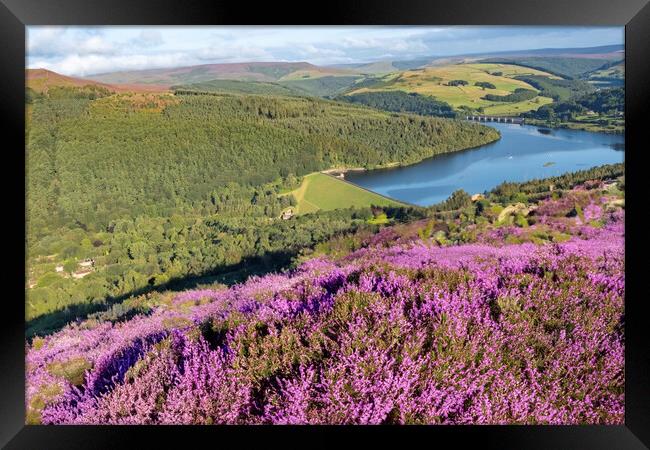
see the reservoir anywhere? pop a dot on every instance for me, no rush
(523, 153)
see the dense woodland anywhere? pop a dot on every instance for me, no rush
(604, 102)
(159, 188)
(519, 95)
(557, 89)
(399, 101)
(509, 192)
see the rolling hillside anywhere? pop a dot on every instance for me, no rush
(40, 80)
(249, 71)
(434, 81)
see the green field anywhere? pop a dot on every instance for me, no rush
(319, 191)
(432, 81)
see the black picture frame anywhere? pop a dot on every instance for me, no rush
(15, 15)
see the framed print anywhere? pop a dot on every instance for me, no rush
(378, 220)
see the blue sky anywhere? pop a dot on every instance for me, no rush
(88, 50)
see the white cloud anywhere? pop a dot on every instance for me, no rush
(233, 53)
(87, 50)
(83, 65)
(148, 38)
(95, 45)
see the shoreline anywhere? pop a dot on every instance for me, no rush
(339, 173)
(567, 126)
(333, 172)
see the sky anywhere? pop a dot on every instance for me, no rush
(82, 51)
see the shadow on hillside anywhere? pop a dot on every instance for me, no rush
(228, 275)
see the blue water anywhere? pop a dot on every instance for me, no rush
(523, 153)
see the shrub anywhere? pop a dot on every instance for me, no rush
(485, 85)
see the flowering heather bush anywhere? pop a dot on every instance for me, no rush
(408, 333)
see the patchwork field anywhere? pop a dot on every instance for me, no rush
(319, 191)
(434, 81)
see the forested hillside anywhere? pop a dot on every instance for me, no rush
(606, 106)
(399, 101)
(154, 188)
(557, 89)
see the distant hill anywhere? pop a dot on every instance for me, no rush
(377, 67)
(609, 75)
(290, 71)
(600, 52)
(567, 67)
(323, 86)
(327, 86)
(435, 82)
(250, 71)
(235, 86)
(40, 80)
(603, 52)
(381, 67)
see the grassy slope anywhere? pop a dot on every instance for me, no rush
(321, 191)
(432, 81)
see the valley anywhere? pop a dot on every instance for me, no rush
(308, 225)
(267, 129)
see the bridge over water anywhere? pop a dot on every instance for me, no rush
(504, 119)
